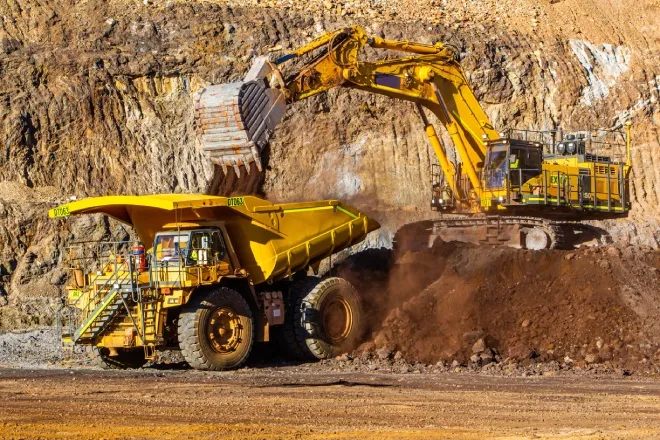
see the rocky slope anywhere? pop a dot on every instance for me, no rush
(96, 99)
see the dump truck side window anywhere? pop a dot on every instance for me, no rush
(219, 249)
(207, 247)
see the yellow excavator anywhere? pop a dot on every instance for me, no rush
(527, 188)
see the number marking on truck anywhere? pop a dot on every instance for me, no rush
(235, 201)
(61, 211)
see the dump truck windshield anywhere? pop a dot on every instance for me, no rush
(170, 247)
(207, 247)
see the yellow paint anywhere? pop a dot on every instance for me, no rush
(91, 319)
(270, 240)
(433, 78)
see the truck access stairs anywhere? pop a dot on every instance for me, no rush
(118, 296)
(114, 298)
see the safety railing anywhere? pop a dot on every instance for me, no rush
(73, 315)
(172, 269)
(94, 258)
(95, 268)
(606, 191)
(599, 145)
(442, 196)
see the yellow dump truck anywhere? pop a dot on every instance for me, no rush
(211, 275)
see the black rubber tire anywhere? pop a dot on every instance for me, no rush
(193, 340)
(308, 338)
(126, 359)
(286, 334)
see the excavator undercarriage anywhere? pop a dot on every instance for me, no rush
(524, 188)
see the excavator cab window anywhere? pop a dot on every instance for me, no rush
(524, 163)
(517, 164)
(496, 166)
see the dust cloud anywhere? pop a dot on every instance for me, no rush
(455, 301)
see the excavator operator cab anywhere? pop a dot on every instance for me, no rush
(196, 247)
(512, 162)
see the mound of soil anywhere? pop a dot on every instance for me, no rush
(464, 303)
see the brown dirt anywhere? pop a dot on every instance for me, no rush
(593, 305)
(300, 402)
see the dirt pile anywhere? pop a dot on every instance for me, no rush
(476, 305)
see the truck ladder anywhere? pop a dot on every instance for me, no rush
(105, 311)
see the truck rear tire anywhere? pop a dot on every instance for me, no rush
(216, 330)
(326, 318)
(125, 359)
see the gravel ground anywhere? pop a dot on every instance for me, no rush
(30, 349)
(295, 402)
(40, 349)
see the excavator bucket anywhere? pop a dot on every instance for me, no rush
(235, 121)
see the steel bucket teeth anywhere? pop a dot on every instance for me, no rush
(234, 121)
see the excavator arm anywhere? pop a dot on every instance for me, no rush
(431, 77)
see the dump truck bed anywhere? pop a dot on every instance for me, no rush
(271, 240)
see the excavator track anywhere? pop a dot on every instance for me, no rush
(555, 232)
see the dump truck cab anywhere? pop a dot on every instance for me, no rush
(195, 256)
(192, 248)
(210, 275)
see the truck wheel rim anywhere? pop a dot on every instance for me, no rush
(336, 318)
(224, 330)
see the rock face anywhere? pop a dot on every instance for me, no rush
(96, 99)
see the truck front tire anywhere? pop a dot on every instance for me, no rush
(216, 330)
(324, 318)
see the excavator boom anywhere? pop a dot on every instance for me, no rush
(236, 120)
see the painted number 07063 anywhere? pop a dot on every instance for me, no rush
(235, 201)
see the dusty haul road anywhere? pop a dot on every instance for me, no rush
(295, 402)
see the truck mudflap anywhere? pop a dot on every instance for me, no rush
(235, 121)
